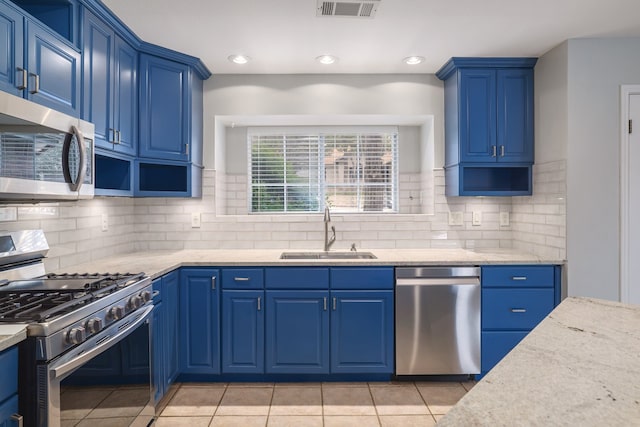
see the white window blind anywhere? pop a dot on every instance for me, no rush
(304, 171)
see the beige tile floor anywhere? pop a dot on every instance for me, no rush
(404, 404)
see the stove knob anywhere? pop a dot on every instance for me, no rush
(146, 296)
(94, 325)
(116, 312)
(135, 302)
(76, 335)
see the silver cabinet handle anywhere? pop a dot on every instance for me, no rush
(334, 303)
(114, 139)
(493, 153)
(518, 310)
(18, 419)
(502, 151)
(186, 148)
(25, 76)
(259, 298)
(213, 282)
(36, 83)
(117, 136)
(325, 303)
(519, 278)
(241, 279)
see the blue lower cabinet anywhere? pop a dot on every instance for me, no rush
(9, 387)
(362, 325)
(297, 332)
(496, 345)
(199, 337)
(9, 412)
(243, 331)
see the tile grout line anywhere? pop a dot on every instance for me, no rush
(375, 407)
(425, 402)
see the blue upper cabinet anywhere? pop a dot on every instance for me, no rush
(36, 63)
(110, 86)
(165, 109)
(53, 70)
(489, 141)
(11, 50)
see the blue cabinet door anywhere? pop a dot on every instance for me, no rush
(158, 364)
(477, 115)
(11, 50)
(199, 321)
(362, 336)
(164, 109)
(54, 70)
(98, 62)
(125, 87)
(496, 345)
(515, 115)
(242, 331)
(8, 409)
(297, 332)
(170, 299)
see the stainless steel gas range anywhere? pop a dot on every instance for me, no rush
(88, 353)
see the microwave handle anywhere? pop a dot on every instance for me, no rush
(84, 356)
(82, 170)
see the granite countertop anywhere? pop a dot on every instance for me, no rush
(157, 263)
(11, 335)
(579, 367)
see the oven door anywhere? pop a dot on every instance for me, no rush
(107, 380)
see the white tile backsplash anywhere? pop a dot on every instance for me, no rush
(537, 223)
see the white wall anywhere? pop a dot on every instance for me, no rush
(596, 69)
(318, 95)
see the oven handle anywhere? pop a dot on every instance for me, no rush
(84, 356)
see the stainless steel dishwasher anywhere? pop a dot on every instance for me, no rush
(437, 320)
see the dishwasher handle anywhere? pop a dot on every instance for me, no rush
(450, 281)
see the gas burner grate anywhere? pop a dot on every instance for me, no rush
(37, 307)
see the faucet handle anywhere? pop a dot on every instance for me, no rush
(353, 248)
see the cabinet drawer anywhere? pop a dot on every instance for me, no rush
(296, 278)
(496, 345)
(361, 278)
(539, 276)
(9, 369)
(242, 278)
(515, 308)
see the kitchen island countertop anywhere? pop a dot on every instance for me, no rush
(579, 367)
(157, 263)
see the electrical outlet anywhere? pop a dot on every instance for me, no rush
(476, 218)
(105, 222)
(456, 218)
(195, 220)
(504, 219)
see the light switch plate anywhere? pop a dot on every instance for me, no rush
(456, 218)
(105, 222)
(504, 219)
(476, 218)
(195, 220)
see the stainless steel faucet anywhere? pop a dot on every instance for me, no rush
(328, 241)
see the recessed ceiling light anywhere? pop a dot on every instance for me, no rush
(326, 59)
(413, 60)
(239, 59)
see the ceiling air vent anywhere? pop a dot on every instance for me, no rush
(348, 8)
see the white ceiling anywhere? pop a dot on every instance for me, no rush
(284, 36)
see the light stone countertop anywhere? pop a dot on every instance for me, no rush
(11, 335)
(579, 367)
(157, 263)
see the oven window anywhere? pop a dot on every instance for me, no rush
(113, 388)
(6, 244)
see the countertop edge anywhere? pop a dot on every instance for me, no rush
(11, 335)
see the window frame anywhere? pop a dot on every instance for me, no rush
(323, 132)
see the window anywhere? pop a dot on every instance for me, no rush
(304, 170)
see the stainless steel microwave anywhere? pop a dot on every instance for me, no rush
(44, 154)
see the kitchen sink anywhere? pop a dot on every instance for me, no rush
(327, 255)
